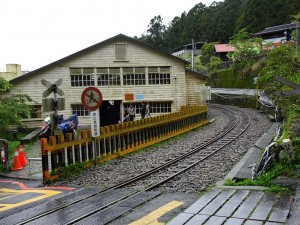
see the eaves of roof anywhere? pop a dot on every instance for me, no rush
(224, 48)
(275, 29)
(119, 37)
(196, 73)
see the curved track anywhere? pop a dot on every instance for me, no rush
(238, 122)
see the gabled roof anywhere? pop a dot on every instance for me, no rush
(276, 29)
(224, 48)
(119, 37)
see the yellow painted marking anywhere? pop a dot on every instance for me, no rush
(152, 218)
(12, 193)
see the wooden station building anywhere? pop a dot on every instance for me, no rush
(125, 70)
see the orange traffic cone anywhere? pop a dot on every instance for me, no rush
(22, 156)
(17, 165)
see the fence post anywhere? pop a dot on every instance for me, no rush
(53, 153)
(70, 154)
(61, 152)
(45, 164)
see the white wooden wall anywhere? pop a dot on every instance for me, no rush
(138, 56)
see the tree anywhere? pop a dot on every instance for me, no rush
(207, 51)
(281, 61)
(155, 33)
(247, 51)
(12, 106)
(257, 15)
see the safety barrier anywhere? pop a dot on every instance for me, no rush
(119, 139)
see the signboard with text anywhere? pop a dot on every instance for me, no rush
(95, 123)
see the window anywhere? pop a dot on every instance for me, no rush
(120, 52)
(134, 76)
(160, 107)
(35, 113)
(80, 110)
(108, 76)
(159, 75)
(155, 107)
(82, 77)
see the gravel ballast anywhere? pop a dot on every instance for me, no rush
(192, 181)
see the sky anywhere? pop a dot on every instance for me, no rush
(34, 33)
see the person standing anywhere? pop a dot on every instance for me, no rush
(143, 110)
(125, 115)
(131, 112)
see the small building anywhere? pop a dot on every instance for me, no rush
(276, 34)
(126, 71)
(188, 49)
(221, 51)
(12, 71)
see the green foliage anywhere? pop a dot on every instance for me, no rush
(247, 51)
(197, 62)
(229, 79)
(214, 64)
(219, 22)
(281, 61)
(155, 33)
(4, 85)
(72, 169)
(207, 51)
(257, 15)
(12, 106)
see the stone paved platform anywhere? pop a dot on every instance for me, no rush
(237, 207)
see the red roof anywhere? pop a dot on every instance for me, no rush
(224, 48)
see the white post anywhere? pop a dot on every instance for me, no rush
(297, 37)
(95, 128)
(193, 63)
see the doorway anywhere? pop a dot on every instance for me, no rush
(110, 112)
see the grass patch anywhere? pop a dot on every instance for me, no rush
(65, 172)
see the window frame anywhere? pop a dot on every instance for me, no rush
(80, 110)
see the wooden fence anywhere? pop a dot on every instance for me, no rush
(118, 140)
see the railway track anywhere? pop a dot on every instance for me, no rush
(95, 206)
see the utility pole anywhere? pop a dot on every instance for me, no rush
(297, 37)
(193, 54)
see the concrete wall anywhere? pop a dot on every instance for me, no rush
(12, 71)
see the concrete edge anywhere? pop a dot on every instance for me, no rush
(240, 164)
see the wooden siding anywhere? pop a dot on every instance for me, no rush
(137, 56)
(193, 84)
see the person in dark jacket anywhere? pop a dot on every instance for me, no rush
(143, 110)
(131, 112)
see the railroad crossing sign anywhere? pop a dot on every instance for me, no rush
(49, 104)
(52, 88)
(296, 87)
(91, 98)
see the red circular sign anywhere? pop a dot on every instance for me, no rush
(91, 98)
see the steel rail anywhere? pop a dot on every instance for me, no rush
(229, 127)
(152, 171)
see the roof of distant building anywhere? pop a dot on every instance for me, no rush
(276, 29)
(224, 48)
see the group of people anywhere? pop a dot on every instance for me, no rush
(129, 113)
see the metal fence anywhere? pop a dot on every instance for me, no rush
(117, 140)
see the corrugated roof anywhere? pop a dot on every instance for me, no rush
(224, 48)
(275, 29)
